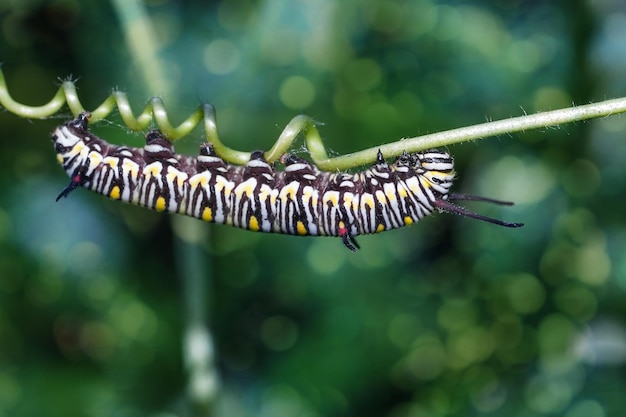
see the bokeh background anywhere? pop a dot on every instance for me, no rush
(450, 317)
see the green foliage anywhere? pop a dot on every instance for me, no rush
(449, 317)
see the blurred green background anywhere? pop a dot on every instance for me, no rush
(450, 317)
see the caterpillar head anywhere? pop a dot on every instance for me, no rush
(65, 137)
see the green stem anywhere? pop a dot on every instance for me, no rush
(469, 133)
(155, 110)
(210, 128)
(31, 112)
(290, 133)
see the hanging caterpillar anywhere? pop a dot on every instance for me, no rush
(299, 200)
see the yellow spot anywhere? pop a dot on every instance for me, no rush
(426, 182)
(222, 185)
(367, 200)
(264, 193)
(198, 179)
(245, 188)
(301, 229)
(77, 148)
(159, 205)
(115, 193)
(332, 196)
(307, 193)
(60, 158)
(351, 201)
(207, 214)
(342, 225)
(390, 192)
(380, 228)
(112, 162)
(130, 167)
(402, 192)
(408, 220)
(152, 170)
(175, 176)
(289, 191)
(380, 196)
(95, 158)
(253, 224)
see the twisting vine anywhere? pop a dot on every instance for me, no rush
(155, 111)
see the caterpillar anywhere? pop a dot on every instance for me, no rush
(297, 200)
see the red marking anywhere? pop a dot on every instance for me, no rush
(347, 240)
(74, 183)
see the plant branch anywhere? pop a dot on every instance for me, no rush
(155, 110)
(469, 133)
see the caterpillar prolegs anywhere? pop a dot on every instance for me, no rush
(298, 200)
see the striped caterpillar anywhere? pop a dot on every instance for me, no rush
(299, 200)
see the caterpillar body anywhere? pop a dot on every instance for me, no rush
(298, 200)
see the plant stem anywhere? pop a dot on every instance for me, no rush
(155, 110)
(469, 133)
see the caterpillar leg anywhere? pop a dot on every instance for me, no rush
(74, 184)
(347, 239)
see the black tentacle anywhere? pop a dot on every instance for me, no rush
(450, 207)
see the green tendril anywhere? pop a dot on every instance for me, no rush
(155, 111)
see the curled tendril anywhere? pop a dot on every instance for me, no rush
(205, 113)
